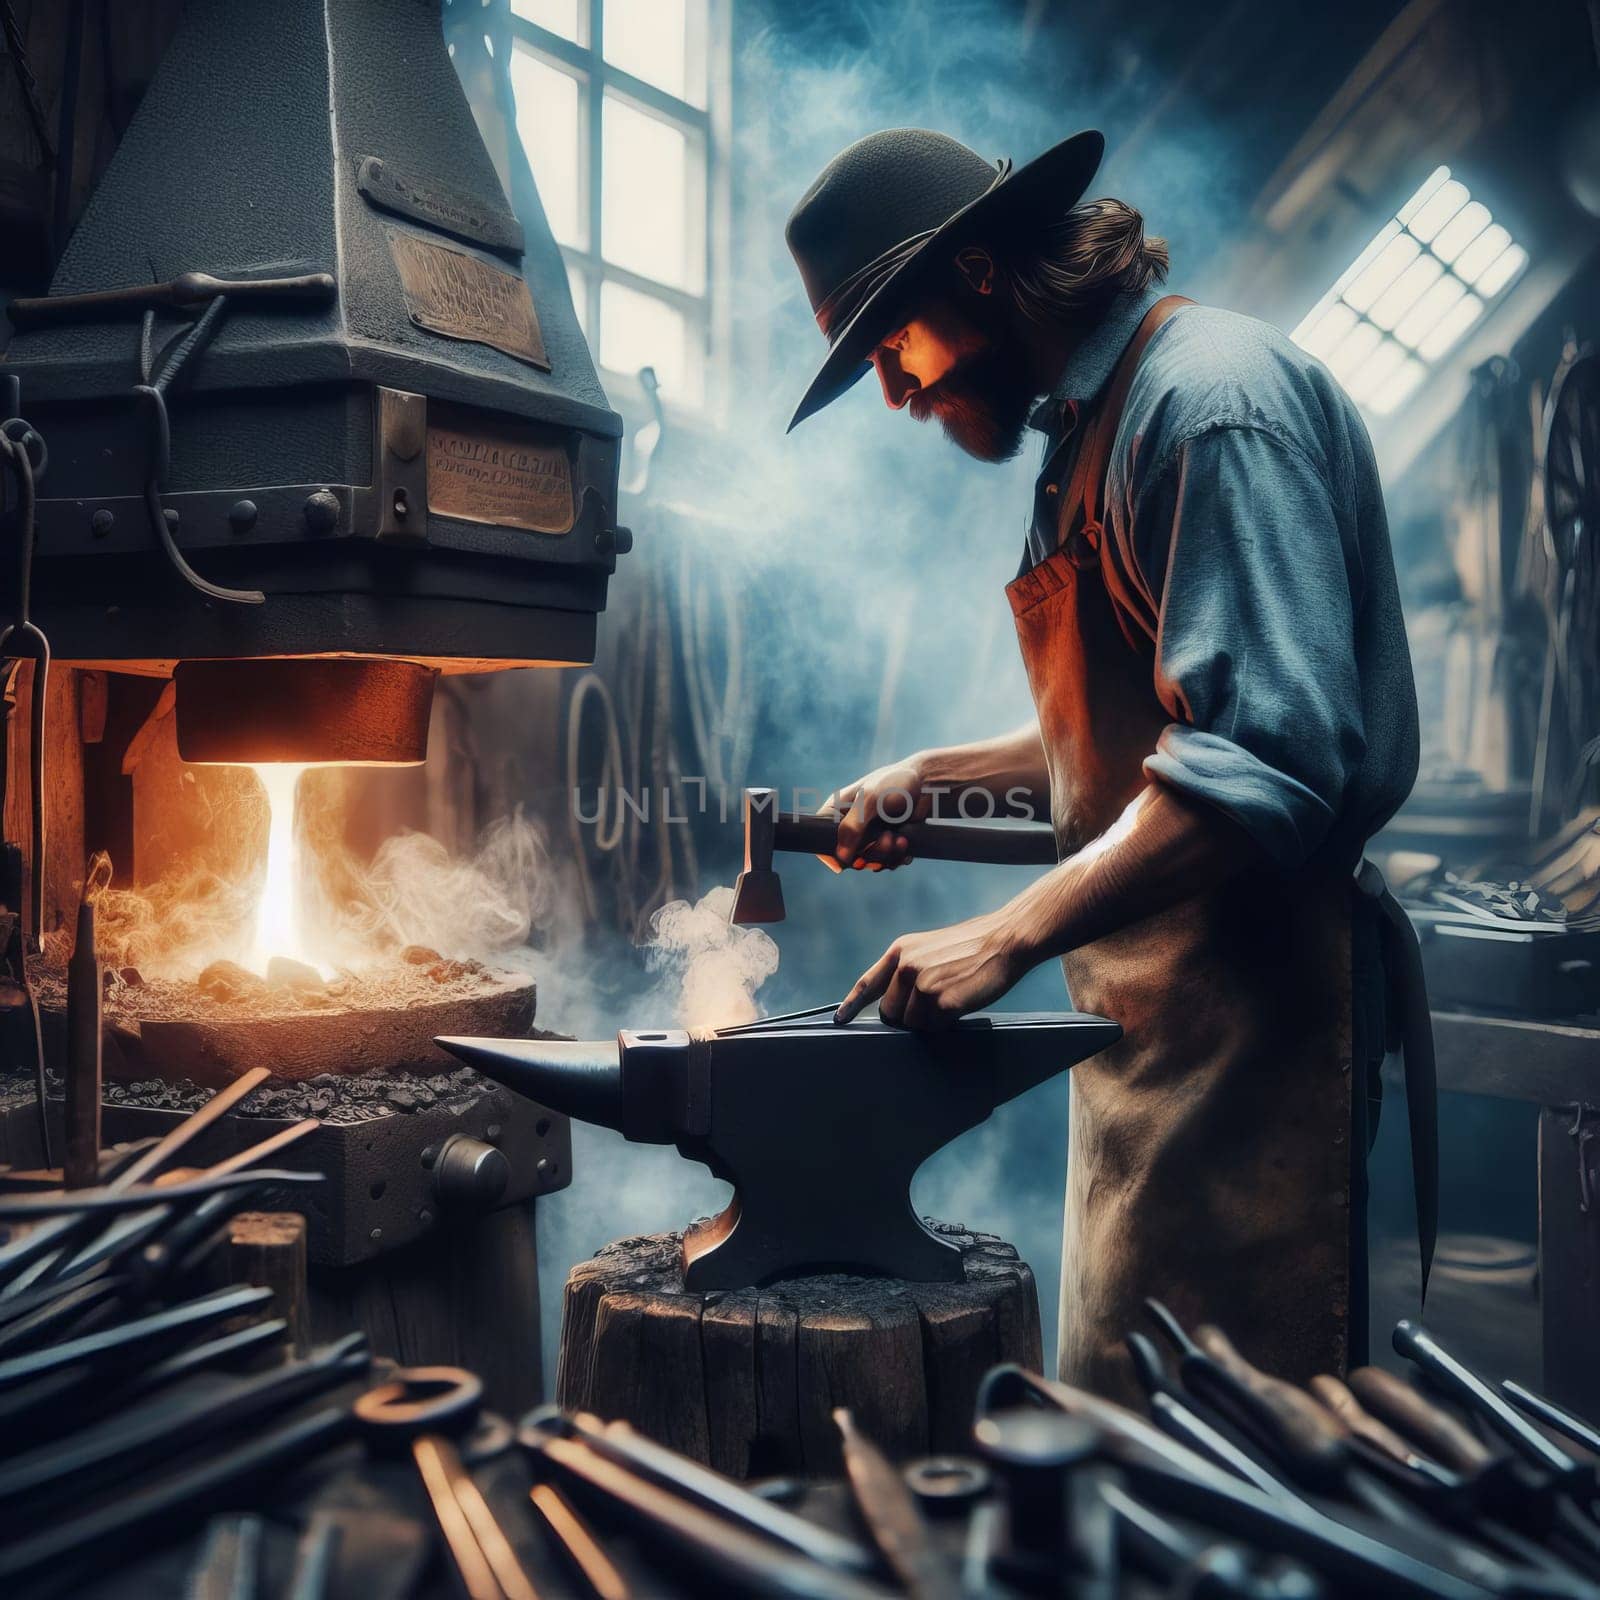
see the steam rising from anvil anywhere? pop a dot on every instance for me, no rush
(819, 1128)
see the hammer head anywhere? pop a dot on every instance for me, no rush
(757, 892)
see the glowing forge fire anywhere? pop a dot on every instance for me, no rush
(278, 929)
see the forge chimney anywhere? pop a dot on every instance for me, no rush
(405, 455)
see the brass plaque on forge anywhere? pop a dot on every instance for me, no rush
(493, 469)
(449, 292)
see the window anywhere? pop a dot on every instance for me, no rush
(1408, 298)
(611, 99)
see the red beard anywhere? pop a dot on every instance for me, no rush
(982, 404)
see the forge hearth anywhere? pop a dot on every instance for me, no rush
(384, 1018)
(405, 1130)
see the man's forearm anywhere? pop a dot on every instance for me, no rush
(1163, 849)
(1010, 762)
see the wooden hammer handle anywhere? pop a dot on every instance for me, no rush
(1032, 845)
(1308, 1438)
(1436, 1432)
(1343, 1404)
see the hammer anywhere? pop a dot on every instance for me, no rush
(758, 894)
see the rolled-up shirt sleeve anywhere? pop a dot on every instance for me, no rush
(1239, 544)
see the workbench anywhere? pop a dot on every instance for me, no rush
(1555, 1066)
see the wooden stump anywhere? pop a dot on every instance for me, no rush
(747, 1380)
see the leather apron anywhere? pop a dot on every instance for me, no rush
(1209, 1159)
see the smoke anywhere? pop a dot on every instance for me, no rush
(176, 926)
(417, 891)
(710, 970)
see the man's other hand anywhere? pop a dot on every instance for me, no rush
(931, 980)
(871, 811)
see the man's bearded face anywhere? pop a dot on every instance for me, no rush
(982, 403)
(969, 376)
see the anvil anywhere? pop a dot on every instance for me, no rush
(819, 1128)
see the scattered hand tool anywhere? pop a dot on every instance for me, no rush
(1431, 1534)
(1565, 1489)
(81, 1107)
(758, 893)
(229, 1564)
(418, 1409)
(314, 1560)
(1417, 1345)
(1293, 1435)
(18, 1254)
(947, 1485)
(628, 1448)
(578, 1543)
(168, 1505)
(1170, 1476)
(819, 1128)
(45, 1479)
(1177, 1414)
(1337, 1397)
(1552, 1415)
(892, 1516)
(1297, 1431)
(1059, 1533)
(1183, 1564)
(724, 1551)
(117, 1349)
(1431, 1429)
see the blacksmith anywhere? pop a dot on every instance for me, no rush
(1209, 619)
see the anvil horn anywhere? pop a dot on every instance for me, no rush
(580, 1078)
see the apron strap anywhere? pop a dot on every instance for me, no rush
(1080, 507)
(1411, 1027)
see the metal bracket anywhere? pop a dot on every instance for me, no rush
(400, 466)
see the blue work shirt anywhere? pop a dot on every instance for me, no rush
(1243, 509)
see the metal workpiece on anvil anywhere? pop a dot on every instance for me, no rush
(819, 1128)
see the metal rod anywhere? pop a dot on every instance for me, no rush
(192, 288)
(1552, 1415)
(772, 1022)
(81, 1164)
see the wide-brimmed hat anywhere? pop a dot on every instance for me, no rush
(865, 233)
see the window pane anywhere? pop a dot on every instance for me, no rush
(1481, 252)
(1376, 371)
(559, 16)
(1327, 330)
(661, 41)
(1346, 359)
(1461, 230)
(1386, 266)
(1438, 209)
(1405, 291)
(1416, 323)
(1502, 270)
(549, 108)
(1397, 389)
(1412, 206)
(1450, 327)
(579, 285)
(637, 330)
(653, 197)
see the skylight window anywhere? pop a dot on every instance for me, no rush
(1411, 295)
